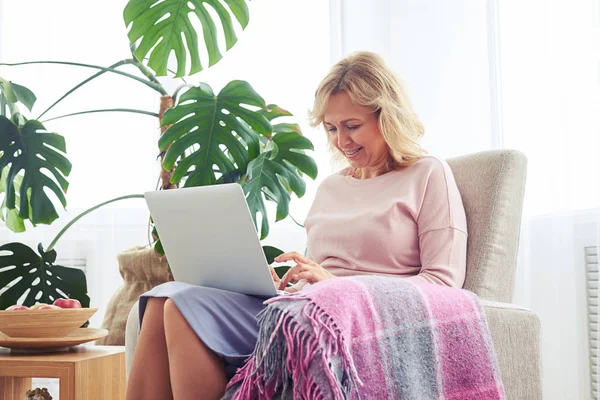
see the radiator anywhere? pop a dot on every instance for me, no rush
(591, 265)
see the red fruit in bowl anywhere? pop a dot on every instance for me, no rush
(17, 307)
(67, 303)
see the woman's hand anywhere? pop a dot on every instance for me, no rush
(304, 269)
(276, 279)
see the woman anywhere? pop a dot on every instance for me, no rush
(392, 211)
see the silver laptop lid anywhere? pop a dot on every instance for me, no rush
(209, 238)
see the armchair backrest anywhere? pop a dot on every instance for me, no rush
(492, 186)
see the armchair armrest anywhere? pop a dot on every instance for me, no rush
(515, 333)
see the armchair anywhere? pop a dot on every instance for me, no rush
(492, 186)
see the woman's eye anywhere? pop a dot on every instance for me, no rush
(331, 129)
(353, 127)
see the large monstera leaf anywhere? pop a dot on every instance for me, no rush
(160, 26)
(37, 275)
(31, 151)
(209, 130)
(275, 172)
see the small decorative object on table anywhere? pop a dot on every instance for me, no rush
(38, 394)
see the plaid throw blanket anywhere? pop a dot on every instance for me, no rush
(371, 337)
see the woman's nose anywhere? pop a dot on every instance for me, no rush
(343, 139)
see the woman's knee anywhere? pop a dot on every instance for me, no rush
(153, 313)
(155, 305)
(175, 322)
(171, 313)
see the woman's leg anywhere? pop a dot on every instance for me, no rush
(196, 371)
(149, 376)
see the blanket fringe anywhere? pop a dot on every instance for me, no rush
(287, 347)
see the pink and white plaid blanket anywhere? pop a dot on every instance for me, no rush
(371, 337)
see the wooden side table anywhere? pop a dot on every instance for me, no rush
(85, 372)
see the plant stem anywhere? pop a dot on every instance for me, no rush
(14, 112)
(115, 65)
(153, 85)
(148, 74)
(296, 222)
(145, 71)
(89, 210)
(131, 110)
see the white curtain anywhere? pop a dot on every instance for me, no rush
(549, 64)
(283, 53)
(511, 74)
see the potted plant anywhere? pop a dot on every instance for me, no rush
(207, 138)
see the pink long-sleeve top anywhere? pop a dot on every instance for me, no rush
(408, 223)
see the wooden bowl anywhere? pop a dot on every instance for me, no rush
(78, 336)
(43, 323)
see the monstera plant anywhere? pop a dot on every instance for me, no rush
(207, 139)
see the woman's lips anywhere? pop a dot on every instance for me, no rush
(353, 153)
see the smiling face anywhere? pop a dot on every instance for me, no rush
(354, 131)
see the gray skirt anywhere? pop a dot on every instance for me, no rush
(225, 321)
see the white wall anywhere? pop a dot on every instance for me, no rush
(112, 154)
(551, 91)
(440, 49)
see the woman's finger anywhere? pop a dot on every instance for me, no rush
(274, 274)
(308, 275)
(302, 268)
(292, 255)
(287, 278)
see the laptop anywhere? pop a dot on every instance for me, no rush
(210, 240)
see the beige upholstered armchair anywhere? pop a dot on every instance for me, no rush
(492, 186)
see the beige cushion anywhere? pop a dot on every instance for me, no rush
(492, 185)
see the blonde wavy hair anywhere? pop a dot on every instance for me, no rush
(371, 84)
